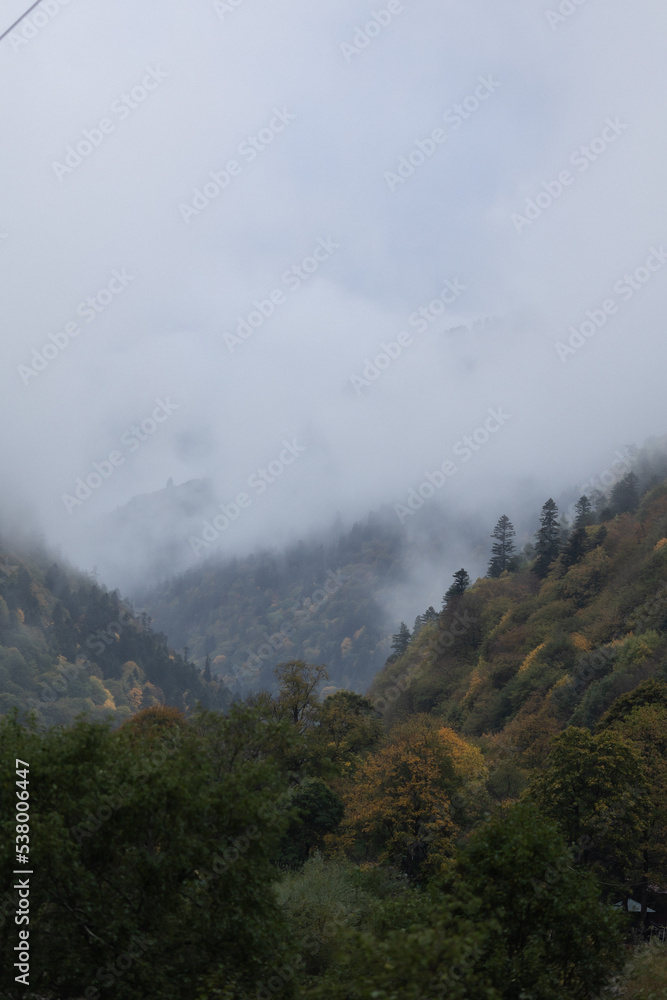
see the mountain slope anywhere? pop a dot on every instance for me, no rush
(320, 601)
(68, 646)
(519, 659)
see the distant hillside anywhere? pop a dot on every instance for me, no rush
(317, 601)
(68, 646)
(150, 533)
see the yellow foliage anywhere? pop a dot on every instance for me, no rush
(580, 642)
(135, 698)
(476, 680)
(661, 544)
(530, 659)
(359, 632)
(399, 801)
(468, 760)
(20, 615)
(346, 646)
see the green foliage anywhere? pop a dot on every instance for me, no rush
(547, 539)
(556, 940)
(317, 601)
(503, 549)
(156, 841)
(399, 642)
(458, 588)
(319, 901)
(66, 646)
(420, 946)
(318, 810)
(593, 787)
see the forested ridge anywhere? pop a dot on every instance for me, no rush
(319, 600)
(68, 645)
(489, 821)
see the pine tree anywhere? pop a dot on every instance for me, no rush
(547, 539)
(207, 668)
(430, 615)
(583, 512)
(400, 640)
(502, 551)
(624, 497)
(576, 548)
(458, 588)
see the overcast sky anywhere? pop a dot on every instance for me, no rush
(491, 161)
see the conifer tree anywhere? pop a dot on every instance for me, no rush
(502, 551)
(458, 588)
(624, 497)
(547, 539)
(400, 640)
(583, 512)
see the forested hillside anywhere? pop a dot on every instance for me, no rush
(489, 822)
(317, 601)
(522, 654)
(67, 646)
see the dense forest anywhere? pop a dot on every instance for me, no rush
(489, 821)
(320, 600)
(67, 645)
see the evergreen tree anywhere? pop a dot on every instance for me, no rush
(502, 551)
(207, 668)
(458, 588)
(547, 539)
(400, 640)
(430, 615)
(576, 548)
(583, 512)
(419, 621)
(624, 497)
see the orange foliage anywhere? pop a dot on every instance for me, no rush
(399, 805)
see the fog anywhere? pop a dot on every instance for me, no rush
(317, 255)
